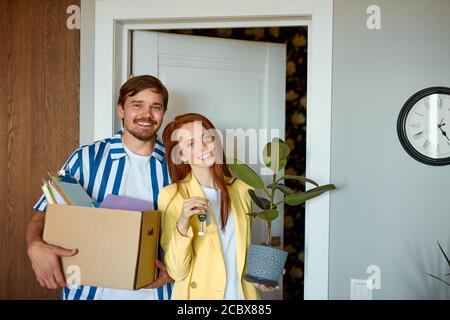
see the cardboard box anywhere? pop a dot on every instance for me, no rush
(116, 248)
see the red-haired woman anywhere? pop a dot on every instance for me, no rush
(206, 259)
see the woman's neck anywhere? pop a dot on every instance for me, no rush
(204, 176)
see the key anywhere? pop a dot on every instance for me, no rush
(201, 218)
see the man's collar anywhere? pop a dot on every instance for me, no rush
(117, 150)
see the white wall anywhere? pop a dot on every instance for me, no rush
(390, 209)
(87, 66)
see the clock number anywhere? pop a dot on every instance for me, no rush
(427, 104)
(418, 113)
(440, 103)
(426, 144)
(415, 125)
(418, 135)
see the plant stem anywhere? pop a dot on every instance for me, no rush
(268, 230)
(273, 190)
(269, 223)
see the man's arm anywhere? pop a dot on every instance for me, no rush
(45, 258)
(35, 228)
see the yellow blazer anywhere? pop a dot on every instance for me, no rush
(196, 263)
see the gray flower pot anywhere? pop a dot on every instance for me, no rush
(264, 264)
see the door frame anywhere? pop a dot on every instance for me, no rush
(105, 29)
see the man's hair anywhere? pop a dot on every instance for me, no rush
(135, 85)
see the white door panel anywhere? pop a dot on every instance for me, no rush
(235, 84)
(227, 93)
(214, 48)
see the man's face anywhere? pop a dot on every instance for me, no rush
(143, 114)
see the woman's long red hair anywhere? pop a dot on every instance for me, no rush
(179, 171)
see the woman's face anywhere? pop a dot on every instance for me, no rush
(196, 145)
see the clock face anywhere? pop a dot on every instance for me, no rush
(424, 126)
(428, 126)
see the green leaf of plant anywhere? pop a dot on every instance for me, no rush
(282, 188)
(325, 187)
(447, 283)
(299, 198)
(442, 250)
(299, 178)
(275, 168)
(267, 215)
(245, 173)
(275, 154)
(262, 203)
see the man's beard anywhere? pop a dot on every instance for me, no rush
(143, 135)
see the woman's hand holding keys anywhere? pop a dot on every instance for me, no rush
(191, 207)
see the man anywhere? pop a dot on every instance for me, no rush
(133, 164)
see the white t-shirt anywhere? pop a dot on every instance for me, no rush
(137, 186)
(228, 241)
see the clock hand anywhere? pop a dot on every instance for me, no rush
(444, 134)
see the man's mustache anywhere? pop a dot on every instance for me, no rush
(145, 120)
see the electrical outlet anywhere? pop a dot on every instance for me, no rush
(359, 290)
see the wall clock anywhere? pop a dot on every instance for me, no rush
(423, 126)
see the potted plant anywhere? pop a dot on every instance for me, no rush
(265, 263)
(448, 262)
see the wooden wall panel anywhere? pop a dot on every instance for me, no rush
(5, 98)
(39, 98)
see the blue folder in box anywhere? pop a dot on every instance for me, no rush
(69, 189)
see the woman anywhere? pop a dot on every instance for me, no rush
(206, 259)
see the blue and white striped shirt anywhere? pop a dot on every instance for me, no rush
(101, 169)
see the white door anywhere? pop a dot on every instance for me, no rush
(235, 84)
